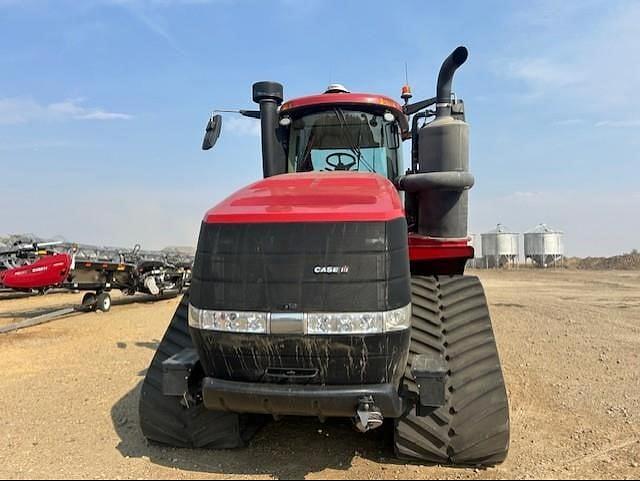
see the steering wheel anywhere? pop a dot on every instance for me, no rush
(339, 165)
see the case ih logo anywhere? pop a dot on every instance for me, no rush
(330, 269)
(35, 270)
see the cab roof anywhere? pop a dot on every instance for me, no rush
(347, 99)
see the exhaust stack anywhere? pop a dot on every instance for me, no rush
(443, 179)
(445, 79)
(269, 95)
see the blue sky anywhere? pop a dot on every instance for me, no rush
(103, 104)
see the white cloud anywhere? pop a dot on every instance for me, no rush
(544, 73)
(568, 122)
(586, 54)
(618, 123)
(150, 13)
(551, 13)
(241, 126)
(101, 115)
(527, 195)
(161, 3)
(34, 146)
(142, 12)
(147, 13)
(18, 110)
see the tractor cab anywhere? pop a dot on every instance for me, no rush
(333, 131)
(343, 131)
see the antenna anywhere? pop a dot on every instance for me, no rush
(406, 89)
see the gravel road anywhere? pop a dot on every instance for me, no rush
(570, 347)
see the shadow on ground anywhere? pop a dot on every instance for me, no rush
(288, 449)
(122, 301)
(10, 295)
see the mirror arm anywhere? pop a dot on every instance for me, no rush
(254, 114)
(212, 131)
(411, 109)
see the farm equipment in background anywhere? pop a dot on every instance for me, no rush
(316, 292)
(41, 266)
(22, 252)
(33, 266)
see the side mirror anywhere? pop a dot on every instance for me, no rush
(212, 132)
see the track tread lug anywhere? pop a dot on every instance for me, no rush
(473, 427)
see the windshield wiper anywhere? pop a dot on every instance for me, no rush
(354, 147)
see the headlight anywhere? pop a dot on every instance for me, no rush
(397, 319)
(358, 322)
(229, 321)
(344, 323)
(315, 323)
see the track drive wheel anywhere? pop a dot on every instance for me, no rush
(451, 317)
(103, 302)
(170, 420)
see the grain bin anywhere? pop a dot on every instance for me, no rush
(476, 243)
(544, 246)
(500, 247)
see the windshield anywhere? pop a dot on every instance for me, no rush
(340, 139)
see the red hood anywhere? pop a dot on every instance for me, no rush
(311, 197)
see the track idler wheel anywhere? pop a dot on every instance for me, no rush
(451, 320)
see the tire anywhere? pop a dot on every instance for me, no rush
(103, 302)
(451, 317)
(166, 420)
(89, 300)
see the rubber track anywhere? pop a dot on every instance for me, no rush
(165, 420)
(473, 427)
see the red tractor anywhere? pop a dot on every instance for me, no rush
(335, 286)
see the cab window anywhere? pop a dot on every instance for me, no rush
(345, 140)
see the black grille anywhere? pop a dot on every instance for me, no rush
(270, 267)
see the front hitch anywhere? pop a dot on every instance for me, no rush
(368, 416)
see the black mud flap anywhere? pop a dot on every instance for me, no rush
(430, 374)
(176, 372)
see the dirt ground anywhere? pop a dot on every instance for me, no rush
(570, 346)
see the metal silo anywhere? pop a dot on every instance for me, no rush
(544, 246)
(475, 242)
(500, 247)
